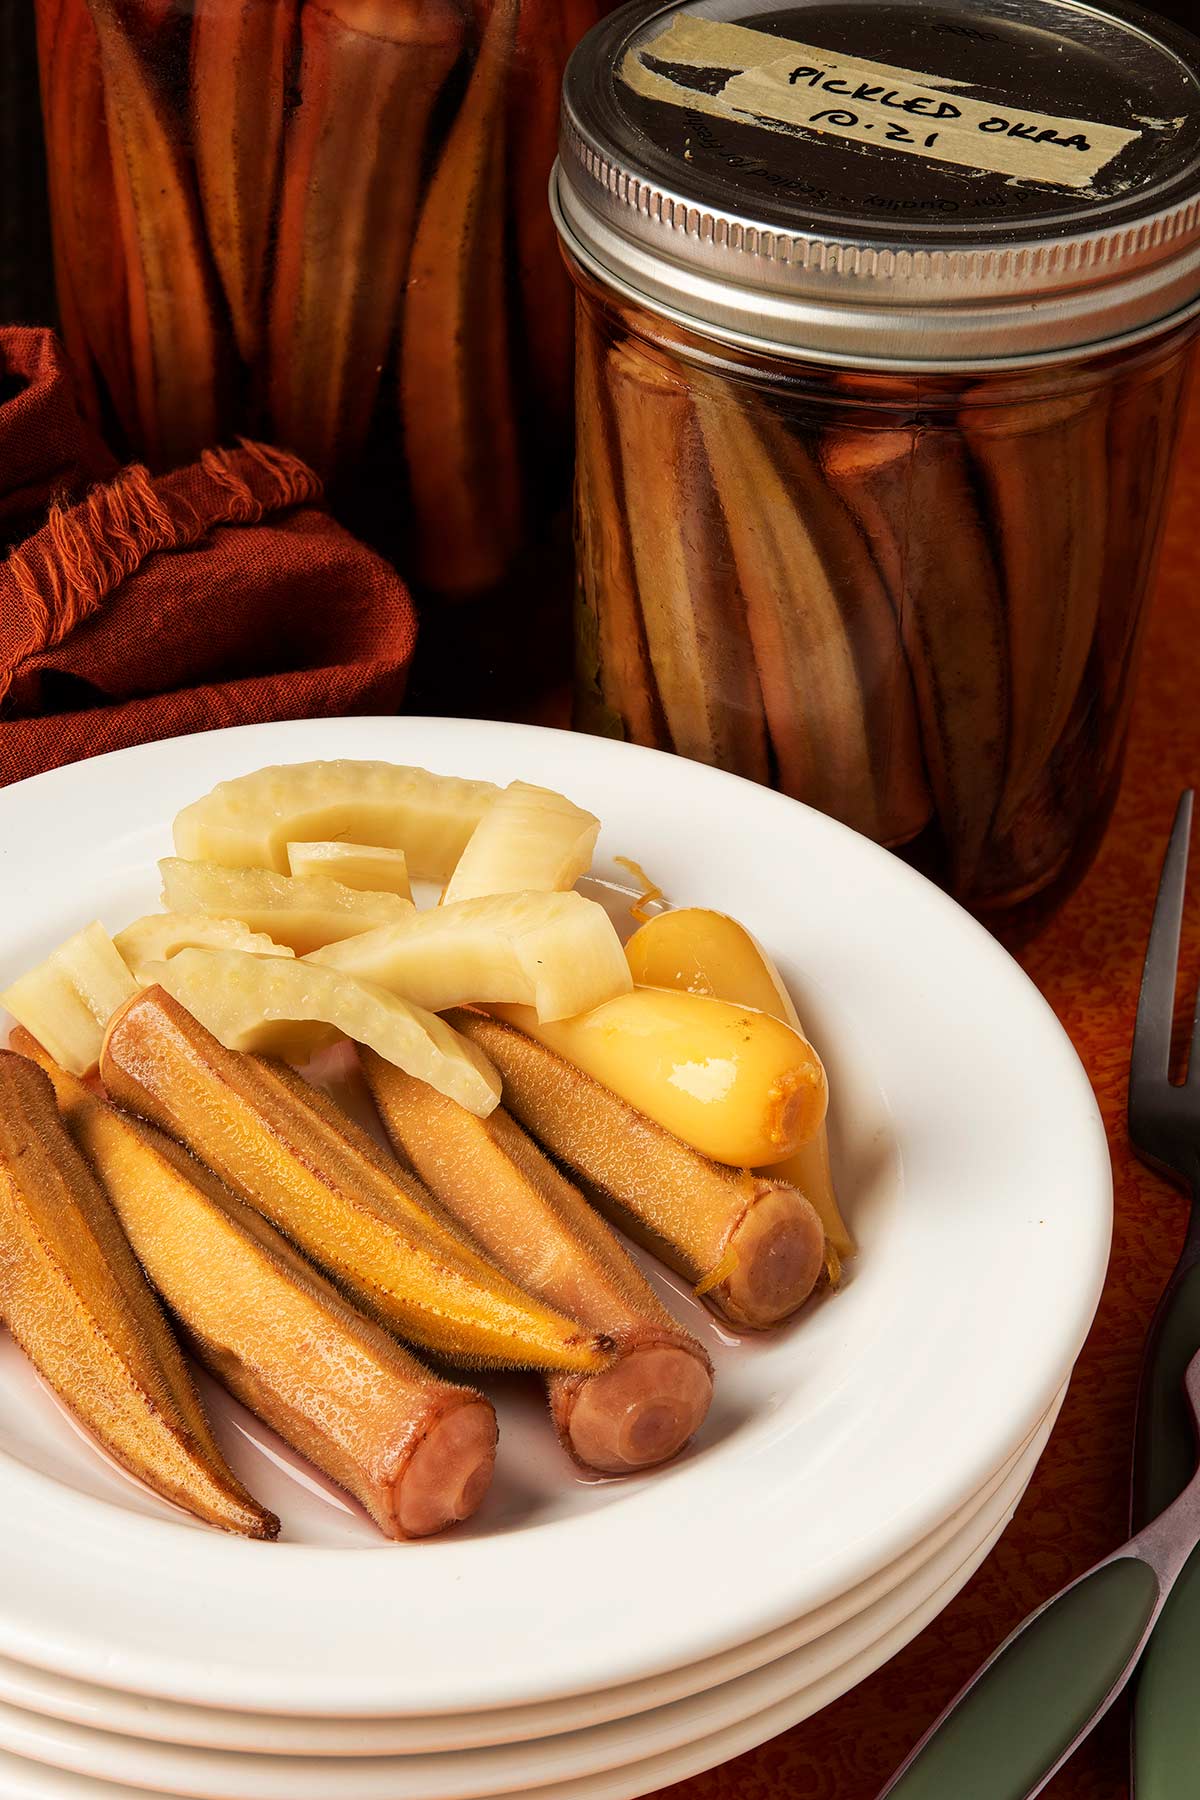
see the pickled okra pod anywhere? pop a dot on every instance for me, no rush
(835, 686)
(911, 492)
(414, 1450)
(178, 353)
(1044, 468)
(752, 1247)
(239, 72)
(76, 1301)
(538, 1228)
(698, 649)
(286, 1150)
(370, 75)
(457, 394)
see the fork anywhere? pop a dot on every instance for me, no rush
(1034, 1701)
(1164, 1124)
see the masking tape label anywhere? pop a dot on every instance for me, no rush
(753, 77)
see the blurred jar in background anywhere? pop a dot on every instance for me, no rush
(325, 222)
(880, 367)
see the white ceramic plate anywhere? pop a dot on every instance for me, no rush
(162, 1721)
(974, 1161)
(805, 1680)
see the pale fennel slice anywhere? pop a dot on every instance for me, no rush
(529, 839)
(302, 912)
(368, 868)
(249, 822)
(280, 1006)
(67, 1000)
(158, 936)
(559, 952)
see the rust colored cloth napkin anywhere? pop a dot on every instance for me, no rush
(135, 607)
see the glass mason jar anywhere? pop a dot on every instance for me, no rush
(324, 222)
(869, 490)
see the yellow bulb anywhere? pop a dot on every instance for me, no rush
(709, 953)
(735, 1083)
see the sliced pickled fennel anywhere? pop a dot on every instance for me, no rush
(752, 1247)
(557, 953)
(709, 953)
(302, 912)
(278, 1006)
(368, 867)
(286, 1149)
(250, 821)
(158, 936)
(735, 1084)
(66, 1001)
(529, 840)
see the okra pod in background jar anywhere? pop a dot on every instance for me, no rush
(883, 321)
(324, 222)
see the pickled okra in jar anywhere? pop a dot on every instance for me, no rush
(868, 499)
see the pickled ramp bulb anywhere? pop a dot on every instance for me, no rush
(557, 953)
(158, 936)
(367, 867)
(301, 912)
(530, 839)
(276, 1006)
(494, 1182)
(287, 1150)
(709, 953)
(415, 1451)
(66, 1001)
(250, 821)
(752, 1247)
(76, 1301)
(735, 1084)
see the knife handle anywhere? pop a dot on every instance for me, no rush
(1166, 1721)
(1014, 1726)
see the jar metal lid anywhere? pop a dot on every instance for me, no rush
(912, 185)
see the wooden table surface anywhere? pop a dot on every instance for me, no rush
(1088, 965)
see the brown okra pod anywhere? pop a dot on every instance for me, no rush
(457, 392)
(179, 356)
(1043, 464)
(910, 490)
(539, 1230)
(606, 572)
(835, 684)
(695, 631)
(239, 66)
(370, 73)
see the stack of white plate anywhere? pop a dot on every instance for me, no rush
(586, 1640)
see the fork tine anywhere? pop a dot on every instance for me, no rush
(1156, 1001)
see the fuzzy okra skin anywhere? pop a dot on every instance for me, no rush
(753, 1247)
(73, 1296)
(285, 1149)
(414, 1450)
(494, 1181)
